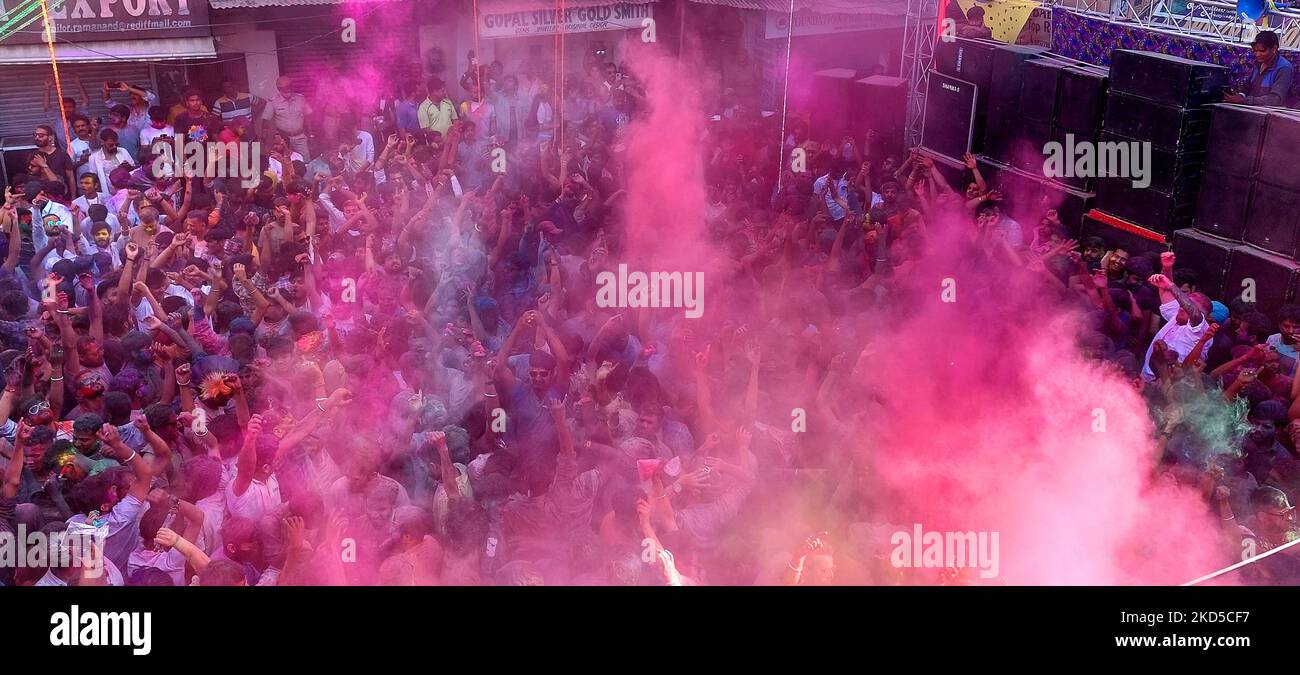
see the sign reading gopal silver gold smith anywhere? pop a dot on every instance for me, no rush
(549, 21)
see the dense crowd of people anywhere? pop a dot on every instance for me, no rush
(385, 362)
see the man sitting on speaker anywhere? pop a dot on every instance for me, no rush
(974, 26)
(1270, 82)
(1185, 315)
(1287, 339)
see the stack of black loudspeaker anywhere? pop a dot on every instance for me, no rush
(1159, 100)
(1242, 236)
(1006, 102)
(832, 89)
(957, 97)
(1246, 235)
(847, 104)
(1059, 100)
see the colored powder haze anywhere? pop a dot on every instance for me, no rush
(982, 409)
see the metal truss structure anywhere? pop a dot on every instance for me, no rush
(1213, 20)
(920, 34)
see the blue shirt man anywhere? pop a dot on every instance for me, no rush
(1270, 82)
(822, 187)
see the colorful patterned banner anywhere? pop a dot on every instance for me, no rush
(1092, 40)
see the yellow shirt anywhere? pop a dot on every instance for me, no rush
(437, 116)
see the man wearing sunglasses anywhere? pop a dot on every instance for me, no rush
(36, 412)
(1271, 525)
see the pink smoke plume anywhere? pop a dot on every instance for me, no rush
(994, 421)
(666, 194)
(989, 416)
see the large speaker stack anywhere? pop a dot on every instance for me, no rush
(1002, 128)
(1228, 269)
(1024, 98)
(960, 62)
(1246, 234)
(1157, 112)
(880, 103)
(995, 70)
(1274, 205)
(1221, 179)
(951, 109)
(831, 92)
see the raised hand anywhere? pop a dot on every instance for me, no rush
(744, 437)
(696, 479)
(1160, 281)
(166, 537)
(811, 545)
(108, 434)
(254, 426)
(340, 397)
(139, 421)
(294, 529)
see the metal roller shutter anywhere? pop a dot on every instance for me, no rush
(314, 48)
(22, 90)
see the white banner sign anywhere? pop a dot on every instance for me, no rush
(815, 23)
(617, 16)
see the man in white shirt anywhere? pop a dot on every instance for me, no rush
(165, 549)
(1186, 321)
(253, 490)
(82, 146)
(141, 100)
(43, 205)
(109, 157)
(96, 213)
(91, 193)
(58, 241)
(156, 128)
(363, 152)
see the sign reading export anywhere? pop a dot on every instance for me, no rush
(84, 20)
